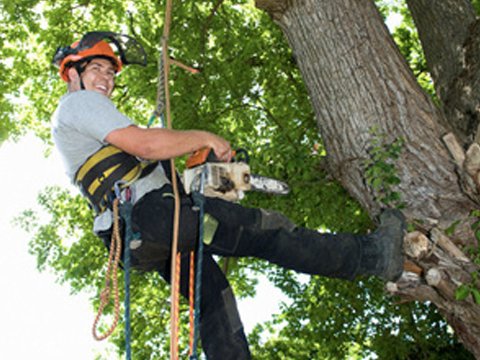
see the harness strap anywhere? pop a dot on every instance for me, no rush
(98, 175)
(126, 170)
(102, 167)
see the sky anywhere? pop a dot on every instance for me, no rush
(39, 318)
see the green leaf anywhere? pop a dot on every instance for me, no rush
(476, 295)
(462, 292)
(377, 183)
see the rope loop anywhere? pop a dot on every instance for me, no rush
(111, 280)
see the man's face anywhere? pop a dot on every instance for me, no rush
(99, 76)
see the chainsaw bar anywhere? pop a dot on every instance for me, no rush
(268, 185)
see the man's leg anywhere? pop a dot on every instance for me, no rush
(221, 329)
(271, 236)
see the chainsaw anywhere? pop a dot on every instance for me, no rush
(229, 180)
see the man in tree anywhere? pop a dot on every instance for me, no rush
(100, 147)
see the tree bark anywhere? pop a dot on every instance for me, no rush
(451, 51)
(358, 80)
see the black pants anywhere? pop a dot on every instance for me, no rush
(241, 232)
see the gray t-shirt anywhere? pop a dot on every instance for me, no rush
(81, 122)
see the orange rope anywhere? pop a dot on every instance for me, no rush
(175, 266)
(175, 256)
(176, 308)
(111, 273)
(191, 298)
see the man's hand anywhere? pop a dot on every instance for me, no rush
(221, 148)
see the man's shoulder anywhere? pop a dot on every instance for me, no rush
(78, 105)
(83, 103)
(84, 96)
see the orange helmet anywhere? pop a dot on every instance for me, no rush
(100, 50)
(93, 45)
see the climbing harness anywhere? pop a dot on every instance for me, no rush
(109, 165)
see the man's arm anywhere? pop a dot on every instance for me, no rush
(161, 144)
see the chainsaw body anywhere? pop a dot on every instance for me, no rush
(228, 181)
(224, 180)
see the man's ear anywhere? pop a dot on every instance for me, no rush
(72, 74)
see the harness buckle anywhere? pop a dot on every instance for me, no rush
(122, 185)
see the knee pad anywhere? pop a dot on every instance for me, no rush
(271, 220)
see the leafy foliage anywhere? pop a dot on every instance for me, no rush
(380, 172)
(406, 37)
(249, 91)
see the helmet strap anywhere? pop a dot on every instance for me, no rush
(80, 67)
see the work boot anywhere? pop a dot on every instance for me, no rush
(382, 250)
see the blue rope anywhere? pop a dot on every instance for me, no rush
(199, 201)
(126, 213)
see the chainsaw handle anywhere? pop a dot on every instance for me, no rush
(200, 157)
(207, 154)
(241, 155)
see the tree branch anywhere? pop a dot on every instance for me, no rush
(449, 32)
(206, 26)
(443, 27)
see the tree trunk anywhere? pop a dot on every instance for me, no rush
(358, 81)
